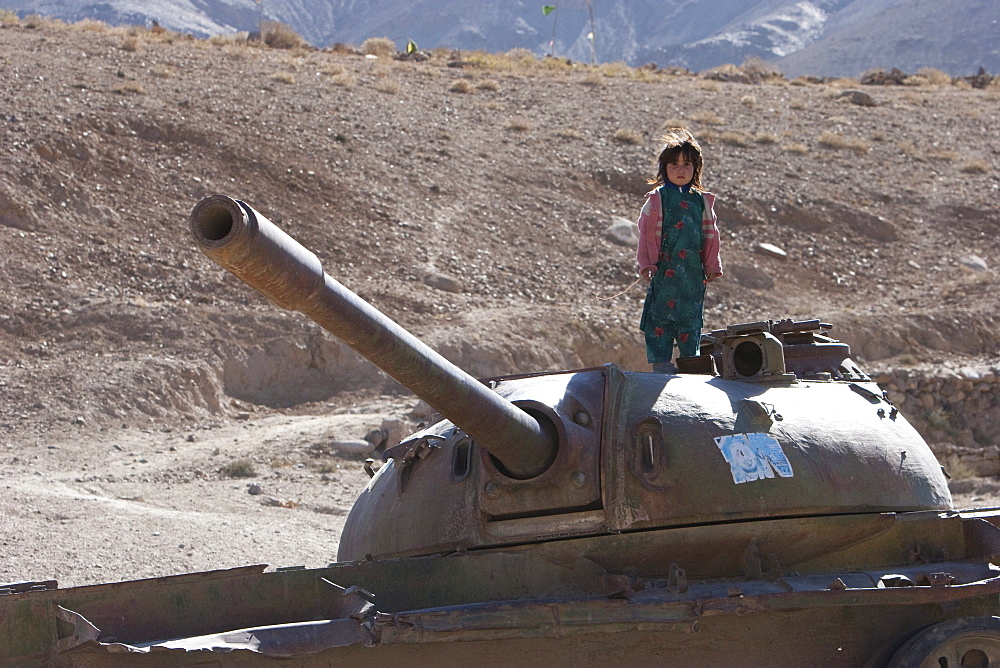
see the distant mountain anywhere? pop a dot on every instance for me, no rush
(821, 37)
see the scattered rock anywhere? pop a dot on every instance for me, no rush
(770, 250)
(622, 231)
(444, 282)
(973, 262)
(352, 447)
(858, 97)
(254, 489)
(894, 77)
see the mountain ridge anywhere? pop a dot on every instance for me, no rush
(821, 37)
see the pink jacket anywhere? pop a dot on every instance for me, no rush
(651, 223)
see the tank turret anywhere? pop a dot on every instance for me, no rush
(772, 421)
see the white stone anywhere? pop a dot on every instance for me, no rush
(771, 250)
(622, 231)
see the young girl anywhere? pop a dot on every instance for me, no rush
(678, 251)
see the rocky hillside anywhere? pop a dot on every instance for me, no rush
(819, 37)
(470, 200)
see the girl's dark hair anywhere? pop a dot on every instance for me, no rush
(678, 142)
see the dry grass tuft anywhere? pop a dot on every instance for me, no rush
(626, 136)
(129, 88)
(91, 25)
(518, 124)
(734, 139)
(9, 18)
(592, 78)
(798, 103)
(131, 43)
(282, 77)
(488, 84)
(944, 155)
(929, 76)
(765, 138)
(798, 148)
(278, 35)
(239, 468)
(388, 85)
(344, 80)
(569, 133)
(749, 101)
(975, 167)
(463, 86)
(838, 141)
(383, 47)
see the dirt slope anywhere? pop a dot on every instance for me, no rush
(120, 343)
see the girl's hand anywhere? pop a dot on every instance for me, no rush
(648, 274)
(711, 277)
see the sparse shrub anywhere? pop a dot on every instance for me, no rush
(934, 76)
(839, 141)
(520, 54)
(757, 69)
(388, 85)
(975, 167)
(239, 468)
(765, 138)
(161, 72)
(616, 69)
(90, 25)
(33, 21)
(626, 136)
(282, 77)
(383, 47)
(461, 86)
(488, 84)
(130, 87)
(799, 103)
(333, 69)
(279, 35)
(344, 80)
(131, 43)
(734, 139)
(944, 155)
(570, 133)
(799, 148)
(281, 463)
(705, 84)
(9, 18)
(749, 101)
(518, 125)
(592, 78)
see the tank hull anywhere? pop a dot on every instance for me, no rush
(578, 601)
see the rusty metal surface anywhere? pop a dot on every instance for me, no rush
(242, 241)
(564, 593)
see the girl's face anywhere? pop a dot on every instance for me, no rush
(680, 172)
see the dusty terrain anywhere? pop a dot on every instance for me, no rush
(466, 197)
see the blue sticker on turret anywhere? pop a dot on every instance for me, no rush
(754, 456)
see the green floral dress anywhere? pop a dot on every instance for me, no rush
(675, 299)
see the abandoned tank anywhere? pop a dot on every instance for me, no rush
(766, 504)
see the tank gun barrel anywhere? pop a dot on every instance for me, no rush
(245, 243)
